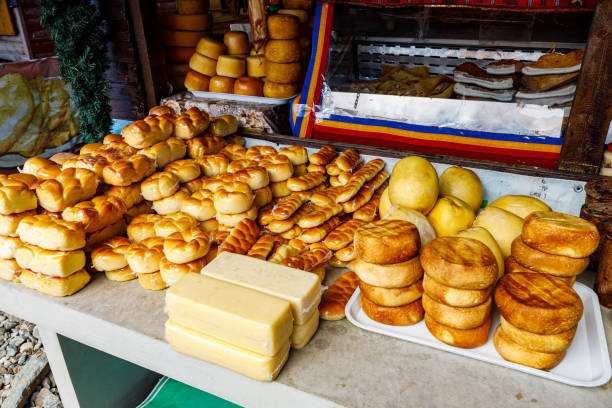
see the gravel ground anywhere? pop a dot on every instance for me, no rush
(18, 341)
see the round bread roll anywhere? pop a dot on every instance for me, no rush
(392, 297)
(179, 55)
(186, 170)
(297, 155)
(279, 167)
(213, 165)
(280, 189)
(159, 185)
(512, 266)
(221, 84)
(396, 212)
(231, 220)
(175, 38)
(297, 4)
(282, 51)
(464, 338)
(255, 177)
(110, 255)
(516, 353)
(257, 152)
(233, 198)
(186, 246)
(455, 297)
(234, 151)
(194, 81)
(520, 205)
(236, 42)
(186, 22)
(539, 261)
(172, 203)
(503, 225)
(210, 48)
(538, 303)
(414, 184)
(209, 225)
(283, 73)
(152, 281)
(256, 66)
(560, 234)
(142, 227)
(302, 15)
(230, 66)
(389, 276)
(144, 256)
(172, 223)
(224, 126)
(545, 343)
(283, 27)
(248, 86)
(172, 272)
(387, 241)
(462, 263)
(395, 316)
(263, 196)
(279, 91)
(450, 215)
(462, 183)
(121, 275)
(457, 317)
(199, 205)
(202, 64)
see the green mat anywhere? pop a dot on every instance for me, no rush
(169, 393)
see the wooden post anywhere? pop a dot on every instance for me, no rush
(592, 108)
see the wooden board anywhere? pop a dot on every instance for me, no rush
(6, 24)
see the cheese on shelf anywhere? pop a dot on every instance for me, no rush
(302, 333)
(243, 317)
(301, 289)
(207, 348)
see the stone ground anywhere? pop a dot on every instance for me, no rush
(20, 343)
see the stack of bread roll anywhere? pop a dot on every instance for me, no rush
(539, 309)
(389, 271)
(180, 33)
(460, 274)
(282, 68)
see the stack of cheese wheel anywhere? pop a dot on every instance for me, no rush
(203, 64)
(459, 277)
(180, 33)
(390, 272)
(232, 68)
(256, 63)
(302, 10)
(282, 68)
(539, 309)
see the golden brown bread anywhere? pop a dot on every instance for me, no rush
(512, 266)
(560, 234)
(171, 204)
(43, 169)
(387, 241)
(213, 165)
(457, 317)
(309, 260)
(255, 177)
(110, 255)
(191, 123)
(278, 166)
(8, 245)
(207, 144)
(397, 275)
(539, 261)
(337, 296)
(392, 297)
(121, 275)
(318, 215)
(325, 155)
(97, 237)
(231, 220)
(257, 152)
(166, 151)
(144, 256)
(234, 152)
(464, 338)
(9, 222)
(172, 272)
(159, 185)
(537, 303)
(396, 316)
(455, 297)
(316, 234)
(516, 353)
(232, 198)
(241, 238)
(142, 227)
(369, 211)
(287, 206)
(130, 195)
(61, 157)
(186, 170)
(348, 160)
(54, 285)
(224, 126)
(306, 182)
(127, 171)
(366, 193)
(51, 233)
(297, 155)
(362, 176)
(94, 163)
(27, 179)
(292, 233)
(15, 196)
(186, 246)
(152, 281)
(70, 187)
(346, 254)
(342, 235)
(95, 214)
(545, 343)
(9, 270)
(171, 223)
(147, 132)
(283, 252)
(52, 263)
(262, 247)
(199, 205)
(462, 263)
(325, 197)
(312, 168)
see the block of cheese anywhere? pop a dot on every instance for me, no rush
(301, 289)
(215, 351)
(243, 317)
(302, 333)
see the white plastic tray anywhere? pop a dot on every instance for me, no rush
(586, 364)
(241, 98)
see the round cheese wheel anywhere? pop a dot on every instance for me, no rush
(210, 48)
(255, 52)
(192, 6)
(281, 91)
(283, 73)
(230, 66)
(179, 54)
(186, 22)
(176, 38)
(283, 27)
(236, 42)
(177, 69)
(302, 15)
(194, 81)
(297, 4)
(256, 66)
(248, 86)
(221, 84)
(203, 64)
(282, 51)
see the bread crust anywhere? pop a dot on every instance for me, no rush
(551, 343)
(186, 170)
(121, 275)
(512, 266)
(171, 223)
(388, 276)
(457, 317)
(337, 296)
(143, 257)
(395, 316)
(152, 281)
(516, 353)
(142, 227)
(539, 261)
(172, 272)
(455, 297)
(464, 338)
(51, 233)
(387, 241)
(159, 185)
(71, 186)
(110, 255)
(53, 285)
(171, 204)
(97, 213)
(393, 297)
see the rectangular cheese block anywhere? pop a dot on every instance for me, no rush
(240, 316)
(215, 351)
(301, 289)
(302, 333)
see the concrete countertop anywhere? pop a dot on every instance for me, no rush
(342, 365)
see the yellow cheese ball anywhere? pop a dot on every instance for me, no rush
(384, 203)
(484, 236)
(450, 215)
(463, 184)
(520, 205)
(503, 225)
(426, 230)
(414, 184)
